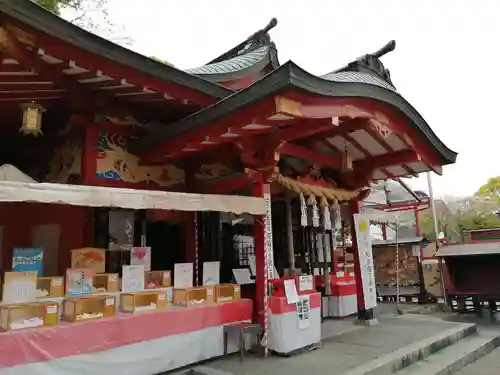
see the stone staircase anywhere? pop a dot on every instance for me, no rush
(443, 354)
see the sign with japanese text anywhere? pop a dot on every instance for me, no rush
(28, 259)
(364, 242)
(268, 228)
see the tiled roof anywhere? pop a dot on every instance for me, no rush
(255, 59)
(357, 77)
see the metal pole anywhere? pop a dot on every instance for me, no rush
(433, 209)
(436, 231)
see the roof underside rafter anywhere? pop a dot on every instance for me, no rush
(389, 136)
(100, 67)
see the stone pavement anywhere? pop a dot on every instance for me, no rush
(346, 347)
(488, 365)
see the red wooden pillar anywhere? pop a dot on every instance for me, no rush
(259, 231)
(384, 231)
(363, 313)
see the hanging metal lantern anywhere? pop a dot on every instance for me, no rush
(32, 118)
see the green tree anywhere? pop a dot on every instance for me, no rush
(160, 60)
(91, 15)
(56, 6)
(448, 222)
(490, 189)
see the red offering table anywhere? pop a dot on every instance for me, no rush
(292, 327)
(139, 344)
(343, 301)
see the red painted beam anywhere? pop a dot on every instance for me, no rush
(225, 186)
(304, 129)
(233, 121)
(345, 126)
(432, 166)
(320, 107)
(387, 160)
(93, 62)
(313, 156)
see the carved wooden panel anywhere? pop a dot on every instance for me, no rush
(209, 172)
(66, 164)
(114, 162)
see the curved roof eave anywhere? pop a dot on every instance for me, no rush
(235, 68)
(38, 18)
(291, 76)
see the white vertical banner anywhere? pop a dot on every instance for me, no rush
(268, 240)
(364, 242)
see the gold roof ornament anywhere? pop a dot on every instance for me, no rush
(32, 118)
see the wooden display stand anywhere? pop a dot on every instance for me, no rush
(157, 279)
(196, 296)
(227, 292)
(29, 315)
(107, 281)
(79, 309)
(53, 285)
(142, 301)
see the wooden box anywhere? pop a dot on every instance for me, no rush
(90, 258)
(142, 301)
(106, 282)
(19, 287)
(227, 292)
(29, 315)
(50, 287)
(193, 296)
(77, 309)
(157, 279)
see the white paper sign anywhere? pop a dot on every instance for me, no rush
(291, 291)
(253, 266)
(242, 276)
(132, 278)
(183, 275)
(211, 273)
(305, 283)
(20, 290)
(141, 256)
(303, 311)
(415, 249)
(268, 238)
(364, 242)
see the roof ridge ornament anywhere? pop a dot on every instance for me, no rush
(259, 38)
(372, 63)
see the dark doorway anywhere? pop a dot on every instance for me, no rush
(165, 240)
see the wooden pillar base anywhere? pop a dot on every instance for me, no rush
(366, 314)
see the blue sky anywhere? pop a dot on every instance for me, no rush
(444, 63)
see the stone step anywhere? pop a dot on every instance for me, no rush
(455, 357)
(407, 356)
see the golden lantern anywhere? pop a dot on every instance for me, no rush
(32, 118)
